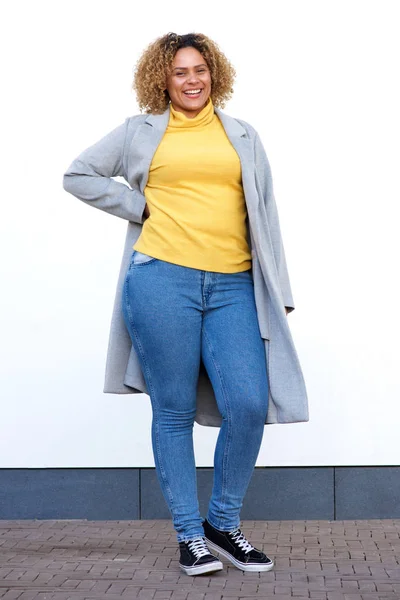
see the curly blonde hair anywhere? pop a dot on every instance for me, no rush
(155, 64)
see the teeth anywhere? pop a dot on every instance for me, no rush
(192, 92)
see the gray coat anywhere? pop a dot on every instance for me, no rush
(127, 151)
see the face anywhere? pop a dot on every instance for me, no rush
(189, 72)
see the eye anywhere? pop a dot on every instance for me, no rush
(199, 71)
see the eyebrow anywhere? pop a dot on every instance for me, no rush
(185, 68)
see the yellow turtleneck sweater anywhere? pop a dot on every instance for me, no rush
(195, 197)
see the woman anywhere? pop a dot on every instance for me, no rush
(202, 290)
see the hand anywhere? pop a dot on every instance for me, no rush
(286, 310)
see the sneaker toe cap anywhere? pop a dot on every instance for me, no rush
(210, 558)
(257, 556)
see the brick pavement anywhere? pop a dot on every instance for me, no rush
(119, 560)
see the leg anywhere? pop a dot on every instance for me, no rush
(164, 324)
(234, 356)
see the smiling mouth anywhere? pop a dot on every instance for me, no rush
(190, 93)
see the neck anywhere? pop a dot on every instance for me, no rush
(189, 114)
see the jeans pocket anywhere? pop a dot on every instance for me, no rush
(139, 258)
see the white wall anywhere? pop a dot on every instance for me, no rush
(319, 80)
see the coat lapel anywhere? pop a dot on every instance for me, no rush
(144, 145)
(237, 135)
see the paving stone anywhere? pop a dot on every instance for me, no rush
(123, 560)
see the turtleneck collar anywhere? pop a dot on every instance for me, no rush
(205, 116)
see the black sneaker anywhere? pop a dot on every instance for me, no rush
(196, 558)
(234, 546)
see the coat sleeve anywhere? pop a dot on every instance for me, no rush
(89, 177)
(263, 170)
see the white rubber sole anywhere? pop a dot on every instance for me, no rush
(200, 569)
(237, 563)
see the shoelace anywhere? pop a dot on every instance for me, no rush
(198, 547)
(241, 541)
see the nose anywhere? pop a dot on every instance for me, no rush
(192, 78)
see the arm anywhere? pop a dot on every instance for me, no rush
(89, 178)
(263, 170)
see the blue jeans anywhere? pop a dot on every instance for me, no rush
(177, 316)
